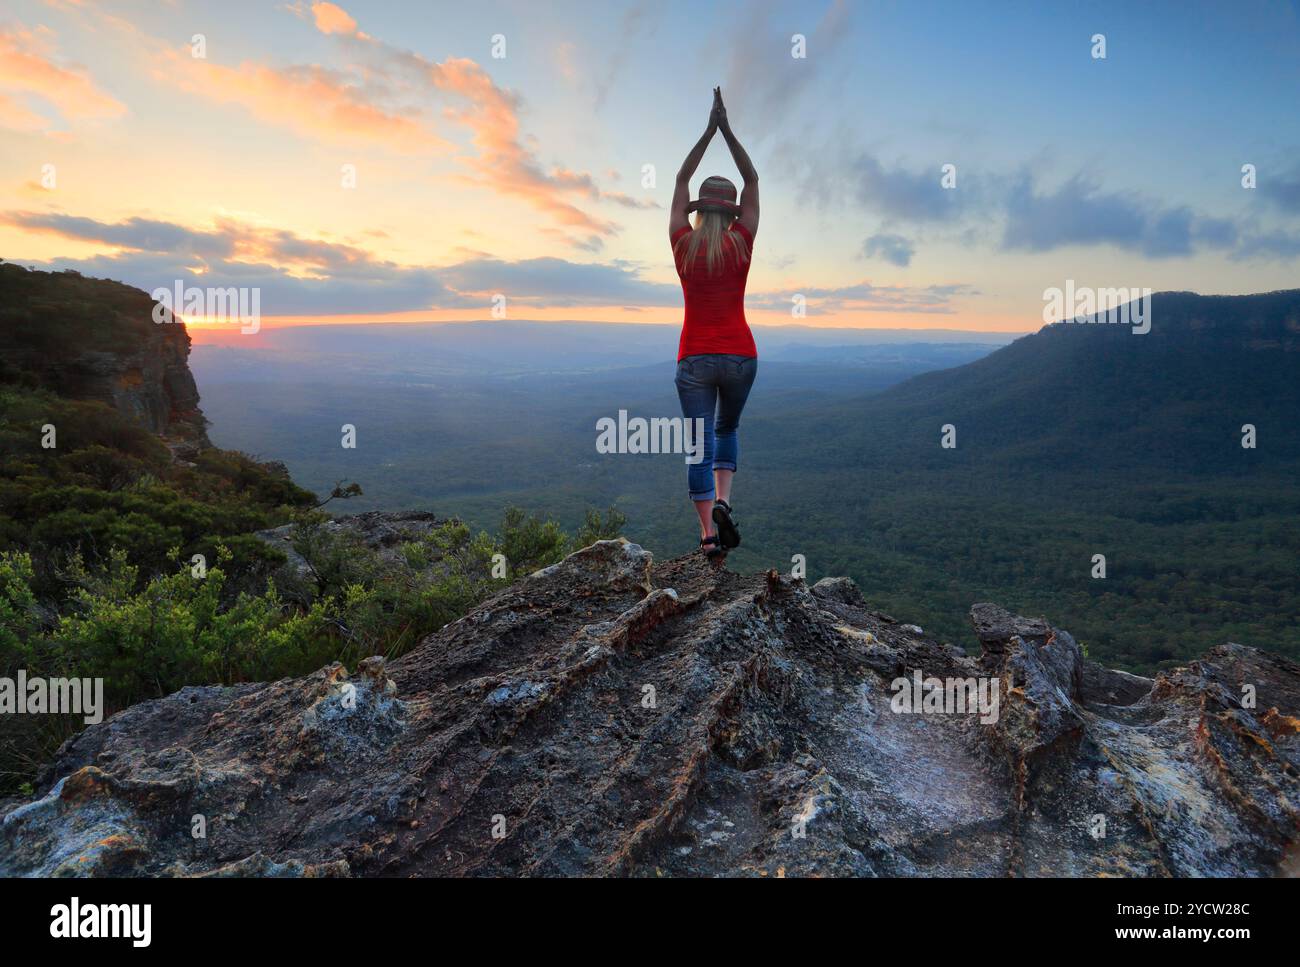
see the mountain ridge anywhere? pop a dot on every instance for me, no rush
(1161, 392)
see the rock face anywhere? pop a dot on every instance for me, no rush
(153, 385)
(95, 339)
(613, 716)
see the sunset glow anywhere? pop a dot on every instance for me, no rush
(376, 161)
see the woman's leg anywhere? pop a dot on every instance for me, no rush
(722, 483)
(704, 511)
(733, 390)
(699, 398)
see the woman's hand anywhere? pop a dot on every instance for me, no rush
(677, 218)
(718, 116)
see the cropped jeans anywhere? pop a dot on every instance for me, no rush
(713, 388)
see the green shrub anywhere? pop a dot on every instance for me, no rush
(148, 632)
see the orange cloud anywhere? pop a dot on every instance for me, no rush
(503, 163)
(310, 100)
(490, 113)
(332, 19)
(384, 101)
(27, 66)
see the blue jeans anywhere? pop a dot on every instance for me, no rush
(713, 388)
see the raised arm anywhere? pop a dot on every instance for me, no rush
(682, 191)
(749, 193)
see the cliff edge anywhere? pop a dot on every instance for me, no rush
(95, 339)
(610, 715)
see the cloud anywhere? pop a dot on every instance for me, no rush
(296, 274)
(557, 282)
(1080, 213)
(502, 163)
(832, 172)
(491, 114)
(28, 67)
(902, 193)
(309, 100)
(1022, 214)
(381, 289)
(865, 297)
(564, 54)
(629, 201)
(332, 19)
(396, 99)
(1282, 191)
(301, 275)
(402, 100)
(894, 249)
(1268, 245)
(134, 233)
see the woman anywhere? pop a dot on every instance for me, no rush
(716, 357)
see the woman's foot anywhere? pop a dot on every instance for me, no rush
(712, 548)
(728, 533)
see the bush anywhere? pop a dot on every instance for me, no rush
(148, 633)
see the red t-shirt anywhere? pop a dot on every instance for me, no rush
(715, 304)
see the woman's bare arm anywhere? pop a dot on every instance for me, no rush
(682, 191)
(749, 193)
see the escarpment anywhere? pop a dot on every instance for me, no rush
(611, 715)
(95, 339)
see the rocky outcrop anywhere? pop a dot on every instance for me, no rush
(96, 339)
(152, 385)
(610, 715)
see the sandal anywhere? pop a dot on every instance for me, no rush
(712, 549)
(726, 524)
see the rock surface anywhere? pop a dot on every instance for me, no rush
(153, 386)
(613, 716)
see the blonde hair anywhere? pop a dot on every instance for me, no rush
(710, 229)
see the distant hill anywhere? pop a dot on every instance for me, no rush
(1083, 439)
(1085, 397)
(1077, 440)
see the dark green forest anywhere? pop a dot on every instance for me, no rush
(1075, 441)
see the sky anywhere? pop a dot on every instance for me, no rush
(429, 161)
